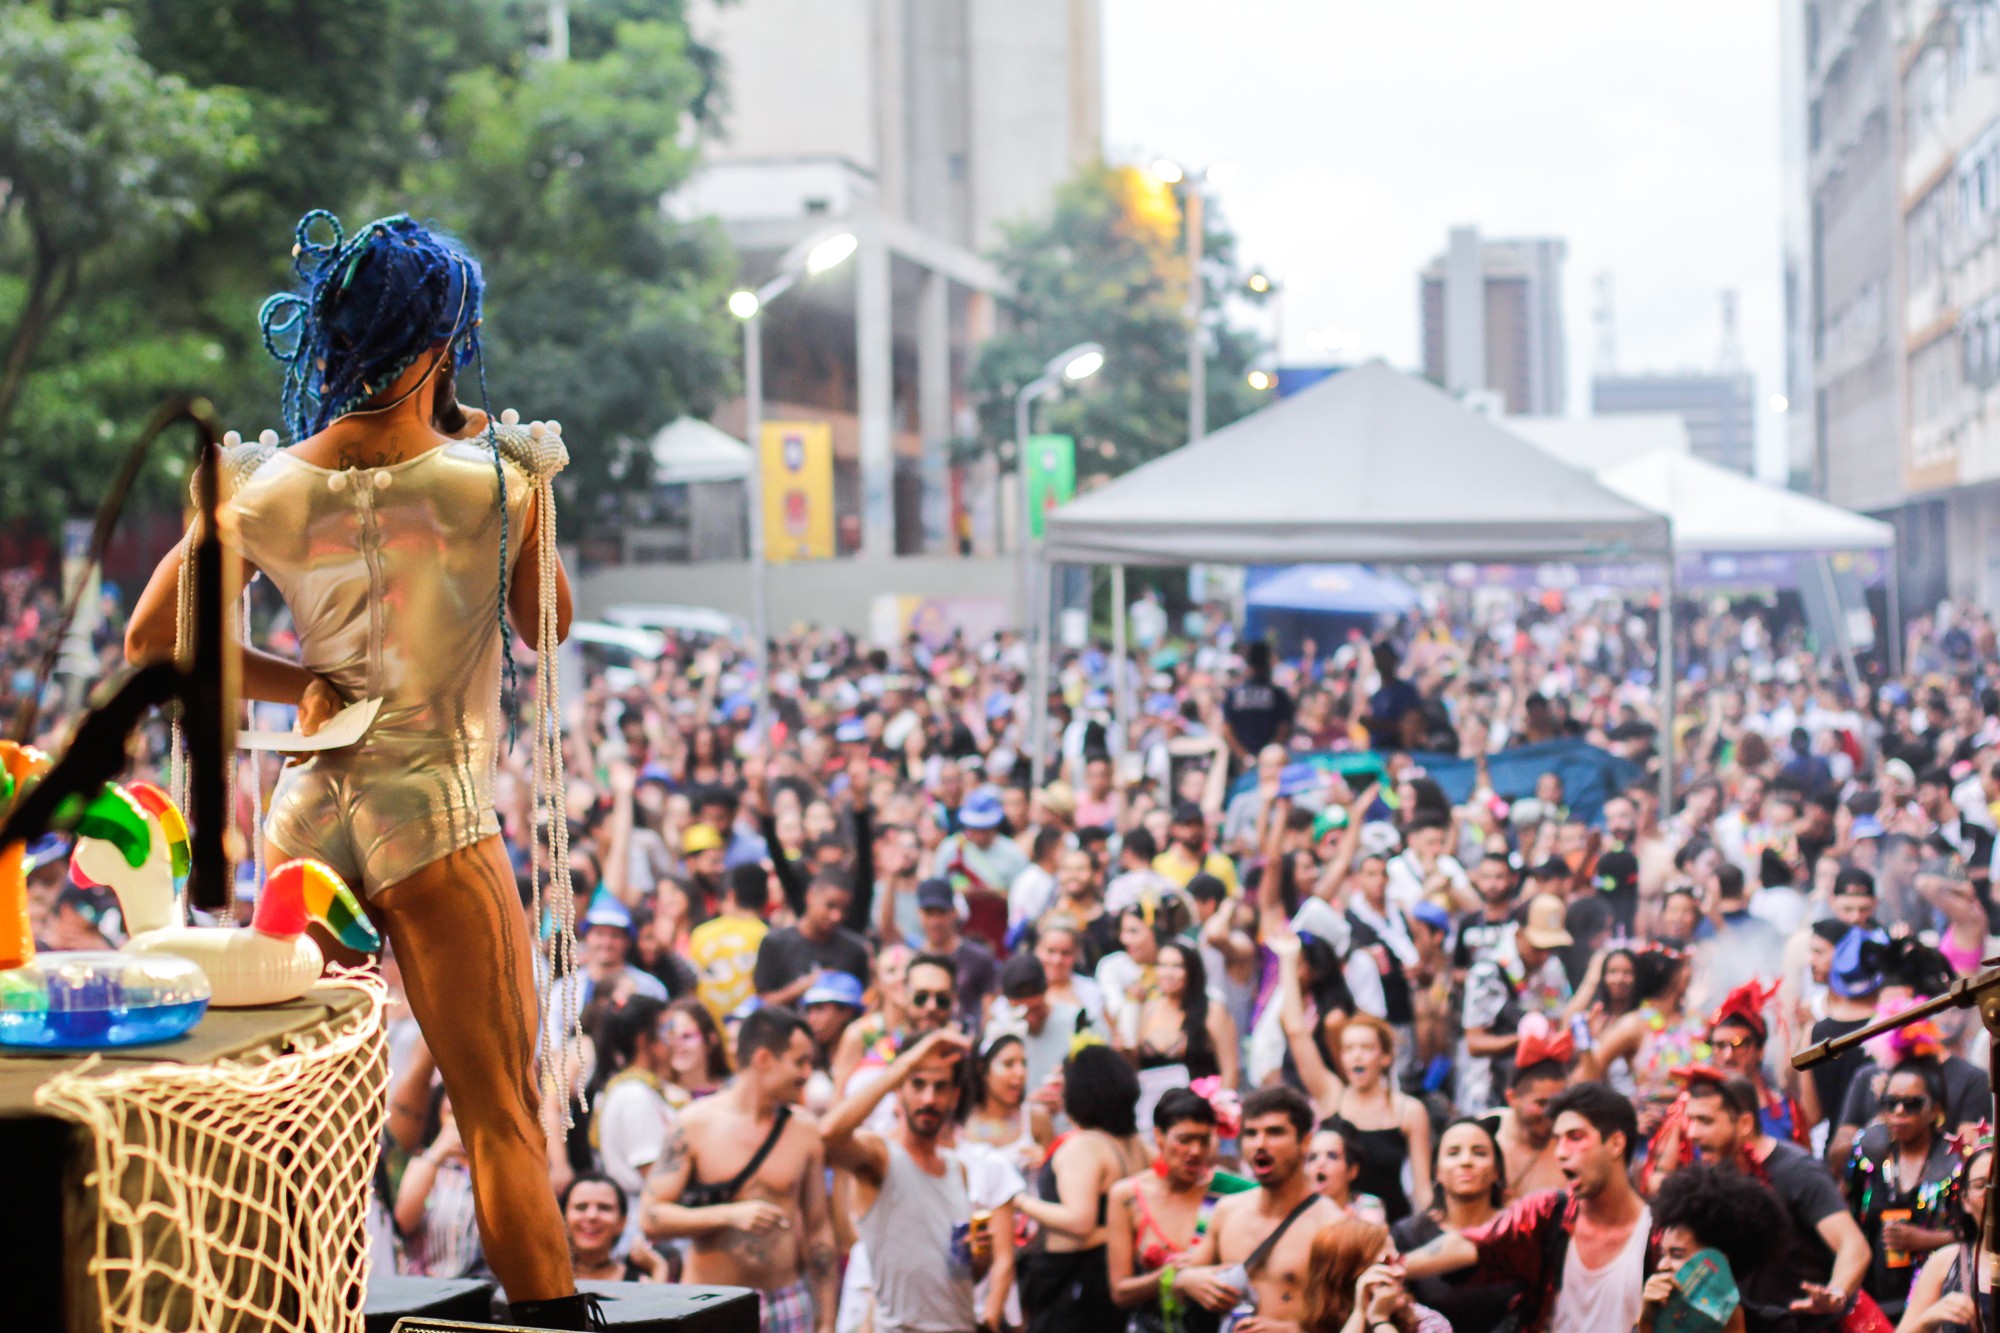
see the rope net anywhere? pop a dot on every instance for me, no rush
(232, 1197)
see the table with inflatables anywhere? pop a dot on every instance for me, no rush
(215, 1180)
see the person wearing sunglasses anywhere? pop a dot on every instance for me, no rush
(1904, 1180)
(1737, 1032)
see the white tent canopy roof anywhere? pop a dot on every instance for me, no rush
(688, 450)
(1716, 510)
(1369, 465)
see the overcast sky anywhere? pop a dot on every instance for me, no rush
(1360, 132)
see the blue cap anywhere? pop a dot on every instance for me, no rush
(982, 809)
(997, 703)
(1431, 914)
(851, 732)
(834, 988)
(1867, 826)
(1857, 963)
(745, 1009)
(606, 910)
(658, 772)
(1096, 698)
(740, 702)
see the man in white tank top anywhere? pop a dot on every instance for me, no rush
(914, 1206)
(1580, 1250)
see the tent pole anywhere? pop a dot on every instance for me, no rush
(1895, 636)
(1664, 659)
(1041, 644)
(1824, 567)
(1121, 679)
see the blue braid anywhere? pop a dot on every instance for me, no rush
(510, 694)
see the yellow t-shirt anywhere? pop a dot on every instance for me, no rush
(1174, 864)
(724, 954)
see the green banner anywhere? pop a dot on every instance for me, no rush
(1051, 477)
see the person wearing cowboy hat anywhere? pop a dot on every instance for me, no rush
(1523, 976)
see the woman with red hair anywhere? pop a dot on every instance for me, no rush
(1355, 1284)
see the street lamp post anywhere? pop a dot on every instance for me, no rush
(1172, 173)
(810, 257)
(1072, 366)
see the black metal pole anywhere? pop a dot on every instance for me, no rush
(205, 710)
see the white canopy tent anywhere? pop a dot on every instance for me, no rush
(1716, 509)
(1369, 465)
(687, 450)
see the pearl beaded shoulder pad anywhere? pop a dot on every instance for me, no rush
(536, 448)
(240, 460)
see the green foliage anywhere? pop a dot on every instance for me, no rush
(101, 157)
(601, 312)
(1110, 265)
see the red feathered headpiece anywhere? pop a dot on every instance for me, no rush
(1745, 1005)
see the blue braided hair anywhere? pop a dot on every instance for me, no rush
(367, 309)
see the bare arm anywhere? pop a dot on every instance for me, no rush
(1222, 1032)
(1129, 1288)
(1447, 1254)
(1000, 1272)
(1417, 1129)
(618, 844)
(150, 634)
(822, 1254)
(1620, 1043)
(851, 1148)
(1851, 1255)
(1322, 1085)
(1079, 1182)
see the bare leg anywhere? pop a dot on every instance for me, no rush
(462, 941)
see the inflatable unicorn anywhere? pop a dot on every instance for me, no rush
(133, 841)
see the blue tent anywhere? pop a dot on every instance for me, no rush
(1293, 602)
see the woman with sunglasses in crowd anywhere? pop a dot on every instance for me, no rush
(1904, 1180)
(1945, 1296)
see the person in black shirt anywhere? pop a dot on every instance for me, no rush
(789, 961)
(1480, 933)
(1828, 1257)
(1256, 713)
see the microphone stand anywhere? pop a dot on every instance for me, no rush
(203, 686)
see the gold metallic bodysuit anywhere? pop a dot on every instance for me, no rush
(391, 575)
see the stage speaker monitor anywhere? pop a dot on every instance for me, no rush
(635, 1307)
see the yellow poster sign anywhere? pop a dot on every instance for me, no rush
(797, 460)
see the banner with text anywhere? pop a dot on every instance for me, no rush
(798, 491)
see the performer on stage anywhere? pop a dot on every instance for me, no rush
(394, 527)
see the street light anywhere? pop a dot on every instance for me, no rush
(810, 257)
(1170, 172)
(1072, 366)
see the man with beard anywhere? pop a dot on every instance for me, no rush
(1722, 1125)
(1580, 1251)
(1525, 1131)
(1616, 874)
(1253, 1257)
(928, 998)
(743, 1175)
(912, 1199)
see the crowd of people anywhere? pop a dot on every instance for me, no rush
(1242, 1018)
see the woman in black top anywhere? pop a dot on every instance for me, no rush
(1903, 1182)
(1176, 1025)
(594, 1213)
(1471, 1175)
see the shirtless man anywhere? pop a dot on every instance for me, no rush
(1525, 1132)
(774, 1233)
(912, 1195)
(1276, 1124)
(1598, 1220)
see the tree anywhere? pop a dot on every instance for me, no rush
(601, 312)
(1110, 265)
(100, 157)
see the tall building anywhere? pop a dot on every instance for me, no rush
(922, 126)
(1719, 410)
(1493, 321)
(1949, 183)
(1849, 308)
